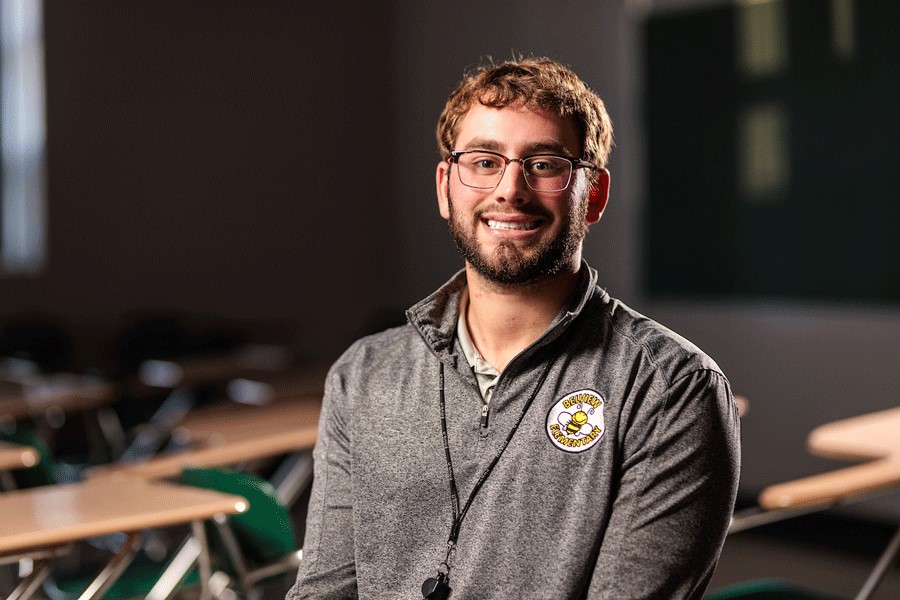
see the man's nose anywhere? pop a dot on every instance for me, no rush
(512, 187)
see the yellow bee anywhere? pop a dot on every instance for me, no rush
(576, 424)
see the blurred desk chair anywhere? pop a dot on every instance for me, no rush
(253, 547)
(232, 435)
(183, 377)
(49, 518)
(246, 549)
(297, 382)
(48, 401)
(247, 360)
(37, 467)
(872, 437)
(13, 457)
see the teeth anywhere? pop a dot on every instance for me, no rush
(508, 225)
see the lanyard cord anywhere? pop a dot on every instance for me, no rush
(458, 515)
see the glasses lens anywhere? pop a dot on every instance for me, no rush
(547, 173)
(481, 169)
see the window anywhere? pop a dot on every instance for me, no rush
(23, 211)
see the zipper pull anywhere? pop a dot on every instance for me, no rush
(484, 416)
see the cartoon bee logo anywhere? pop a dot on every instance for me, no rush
(575, 422)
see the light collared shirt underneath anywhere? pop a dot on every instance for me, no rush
(485, 374)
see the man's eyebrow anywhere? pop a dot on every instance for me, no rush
(484, 144)
(551, 147)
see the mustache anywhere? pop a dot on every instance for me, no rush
(526, 211)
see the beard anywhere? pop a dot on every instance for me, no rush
(508, 263)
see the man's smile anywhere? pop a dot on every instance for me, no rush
(512, 225)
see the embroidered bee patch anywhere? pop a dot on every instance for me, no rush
(575, 422)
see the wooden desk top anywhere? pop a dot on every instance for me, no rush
(298, 382)
(874, 437)
(743, 405)
(230, 434)
(65, 391)
(245, 361)
(227, 421)
(14, 456)
(54, 515)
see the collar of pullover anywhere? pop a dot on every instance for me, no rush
(436, 316)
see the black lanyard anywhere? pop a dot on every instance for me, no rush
(437, 587)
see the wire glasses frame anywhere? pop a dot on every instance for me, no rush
(484, 169)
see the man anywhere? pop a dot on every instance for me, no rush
(524, 435)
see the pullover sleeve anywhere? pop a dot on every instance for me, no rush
(680, 469)
(328, 569)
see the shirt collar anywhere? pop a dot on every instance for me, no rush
(473, 357)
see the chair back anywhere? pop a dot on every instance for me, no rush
(265, 530)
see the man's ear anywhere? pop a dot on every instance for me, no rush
(597, 197)
(442, 183)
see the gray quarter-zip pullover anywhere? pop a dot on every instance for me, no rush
(618, 483)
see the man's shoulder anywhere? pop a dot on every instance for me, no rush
(376, 365)
(635, 334)
(388, 345)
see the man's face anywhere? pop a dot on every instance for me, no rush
(513, 234)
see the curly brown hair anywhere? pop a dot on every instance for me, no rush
(538, 82)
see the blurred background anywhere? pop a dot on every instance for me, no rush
(189, 176)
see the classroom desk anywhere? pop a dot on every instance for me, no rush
(245, 361)
(743, 405)
(301, 381)
(41, 397)
(874, 437)
(51, 517)
(866, 437)
(229, 434)
(253, 374)
(48, 400)
(15, 456)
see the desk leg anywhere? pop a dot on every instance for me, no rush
(114, 568)
(178, 568)
(756, 517)
(887, 558)
(194, 550)
(293, 477)
(28, 586)
(203, 561)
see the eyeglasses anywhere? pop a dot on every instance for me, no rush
(483, 169)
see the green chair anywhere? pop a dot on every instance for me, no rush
(257, 544)
(766, 589)
(136, 582)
